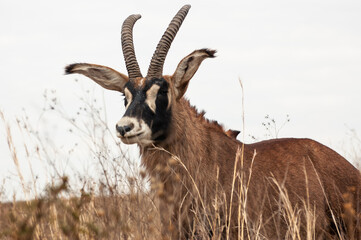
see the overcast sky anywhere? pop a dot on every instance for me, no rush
(301, 58)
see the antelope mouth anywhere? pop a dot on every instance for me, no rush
(129, 137)
(139, 139)
(132, 136)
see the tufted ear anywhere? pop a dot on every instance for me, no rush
(106, 77)
(187, 68)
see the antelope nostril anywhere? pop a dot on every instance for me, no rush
(124, 129)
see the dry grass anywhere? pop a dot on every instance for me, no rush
(124, 216)
(117, 204)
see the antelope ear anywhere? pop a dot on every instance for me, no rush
(187, 68)
(106, 77)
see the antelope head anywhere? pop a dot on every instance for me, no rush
(148, 100)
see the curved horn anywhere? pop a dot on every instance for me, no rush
(128, 47)
(156, 65)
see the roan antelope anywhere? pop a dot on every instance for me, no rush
(315, 180)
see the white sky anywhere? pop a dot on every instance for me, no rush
(301, 58)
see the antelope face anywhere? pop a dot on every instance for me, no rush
(148, 112)
(148, 101)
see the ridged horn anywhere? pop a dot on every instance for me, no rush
(156, 65)
(128, 47)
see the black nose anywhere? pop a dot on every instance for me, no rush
(124, 129)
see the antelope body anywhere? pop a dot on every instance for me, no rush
(212, 166)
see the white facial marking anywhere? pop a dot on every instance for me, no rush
(152, 96)
(128, 96)
(140, 133)
(169, 95)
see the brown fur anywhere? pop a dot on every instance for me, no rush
(303, 166)
(139, 82)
